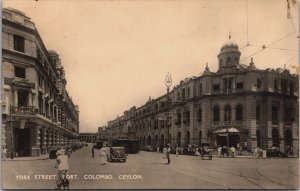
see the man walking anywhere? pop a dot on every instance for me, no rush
(93, 152)
(168, 150)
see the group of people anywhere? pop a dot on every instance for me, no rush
(103, 154)
(223, 151)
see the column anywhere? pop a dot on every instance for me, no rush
(15, 98)
(61, 139)
(49, 139)
(29, 98)
(44, 141)
(35, 141)
(3, 131)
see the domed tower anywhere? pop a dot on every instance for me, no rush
(229, 55)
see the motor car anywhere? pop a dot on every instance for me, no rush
(274, 152)
(52, 152)
(116, 154)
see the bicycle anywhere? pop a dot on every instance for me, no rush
(63, 181)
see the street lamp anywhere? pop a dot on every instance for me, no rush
(168, 83)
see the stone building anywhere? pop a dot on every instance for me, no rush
(37, 111)
(88, 137)
(250, 106)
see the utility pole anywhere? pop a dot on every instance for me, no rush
(168, 83)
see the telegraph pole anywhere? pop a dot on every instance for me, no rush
(168, 83)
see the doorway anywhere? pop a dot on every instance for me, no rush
(22, 142)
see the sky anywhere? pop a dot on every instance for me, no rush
(117, 53)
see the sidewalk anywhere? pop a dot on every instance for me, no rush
(41, 157)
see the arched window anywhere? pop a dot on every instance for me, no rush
(239, 113)
(179, 139)
(275, 138)
(288, 138)
(258, 138)
(227, 113)
(188, 135)
(228, 60)
(216, 113)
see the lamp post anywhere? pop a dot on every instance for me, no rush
(168, 83)
(11, 134)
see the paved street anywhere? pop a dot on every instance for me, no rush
(148, 170)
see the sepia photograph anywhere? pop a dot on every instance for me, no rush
(162, 94)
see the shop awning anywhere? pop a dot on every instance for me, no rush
(230, 130)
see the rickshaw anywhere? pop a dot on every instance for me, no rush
(205, 151)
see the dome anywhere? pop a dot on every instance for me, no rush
(52, 52)
(230, 44)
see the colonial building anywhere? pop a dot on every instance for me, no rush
(88, 137)
(102, 134)
(253, 107)
(37, 111)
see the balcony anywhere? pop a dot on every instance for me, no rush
(24, 110)
(226, 123)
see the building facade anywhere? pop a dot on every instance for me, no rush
(252, 107)
(88, 137)
(37, 111)
(102, 134)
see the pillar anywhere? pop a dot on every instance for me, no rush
(15, 98)
(61, 139)
(49, 139)
(35, 141)
(44, 141)
(29, 98)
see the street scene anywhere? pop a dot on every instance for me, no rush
(199, 94)
(147, 170)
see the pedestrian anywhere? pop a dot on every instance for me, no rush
(168, 150)
(157, 149)
(197, 152)
(176, 150)
(164, 152)
(219, 151)
(232, 149)
(62, 163)
(4, 152)
(255, 152)
(103, 154)
(93, 152)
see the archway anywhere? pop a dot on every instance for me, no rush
(149, 140)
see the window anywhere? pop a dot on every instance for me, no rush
(200, 90)
(292, 89)
(178, 118)
(283, 86)
(200, 115)
(275, 138)
(22, 98)
(239, 113)
(274, 112)
(257, 112)
(216, 87)
(275, 85)
(228, 60)
(227, 85)
(19, 72)
(216, 113)
(289, 113)
(186, 117)
(240, 85)
(258, 83)
(183, 94)
(19, 43)
(227, 113)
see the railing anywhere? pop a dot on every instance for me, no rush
(25, 110)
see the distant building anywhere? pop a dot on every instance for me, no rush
(35, 103)
(253, 107)
(88, 137)
(102, 134)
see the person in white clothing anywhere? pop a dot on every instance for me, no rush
(62, 163)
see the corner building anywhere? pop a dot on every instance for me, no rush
(254, 107)
(37, 111)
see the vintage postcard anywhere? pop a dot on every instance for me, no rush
(163, 94)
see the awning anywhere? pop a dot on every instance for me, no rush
(230, 130)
